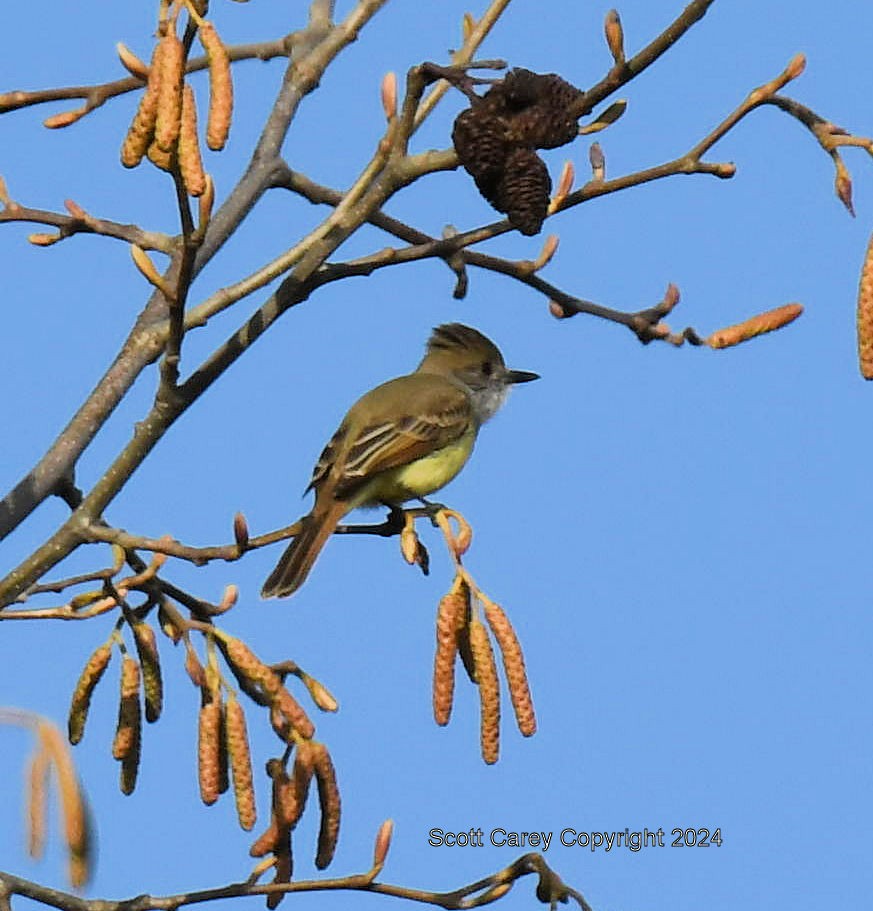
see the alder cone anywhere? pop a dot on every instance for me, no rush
(523, 191)
(519, 88)
(496, 141)
(538, 109)
(545, 126)
(479, 141)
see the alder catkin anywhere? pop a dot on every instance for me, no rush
(513, 666)
(142, 129)
(169, 106)
(240, 762)
(128, 709)
(464, 619)
(188, 154)
(284, 804)
(159, 158)
(208, 748)
(293, 712)
(81, 701)
(294, 799)
(266, 842)
(243, 659)
(451, 608)
(865, 315)
(754, 326)
(193, 667)
(37, 802)
(128, 733)
(152, 683)
(77, 825)
(489, 691)
(330, 804)
(220, 88)
(277, 837)
(248, 667)
(223, 759)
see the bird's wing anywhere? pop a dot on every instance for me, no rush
(436, 413)
(327, 458)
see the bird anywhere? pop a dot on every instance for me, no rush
(403, 440)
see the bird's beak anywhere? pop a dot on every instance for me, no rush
(521, 376)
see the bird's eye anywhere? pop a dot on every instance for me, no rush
(487, 368)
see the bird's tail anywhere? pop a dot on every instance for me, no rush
(294, 565)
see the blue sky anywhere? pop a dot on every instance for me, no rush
(680, 536)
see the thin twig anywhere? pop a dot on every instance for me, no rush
(83, 223)
(97, 95)
(196, 555)
(200, 556)
(64, 612)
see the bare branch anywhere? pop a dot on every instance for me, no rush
(97, 95)
(196, 555)
(81, 222)
(550, 889)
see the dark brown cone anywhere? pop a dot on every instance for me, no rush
(551, 121)
(519, 89)
(497, 137)
(538, 110)
(481, 146)
(523, 191)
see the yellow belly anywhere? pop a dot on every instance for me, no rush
(419, 478)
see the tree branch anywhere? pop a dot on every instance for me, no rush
(550, 889)
(80, 222)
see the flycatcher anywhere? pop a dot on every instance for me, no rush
(401, 441)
